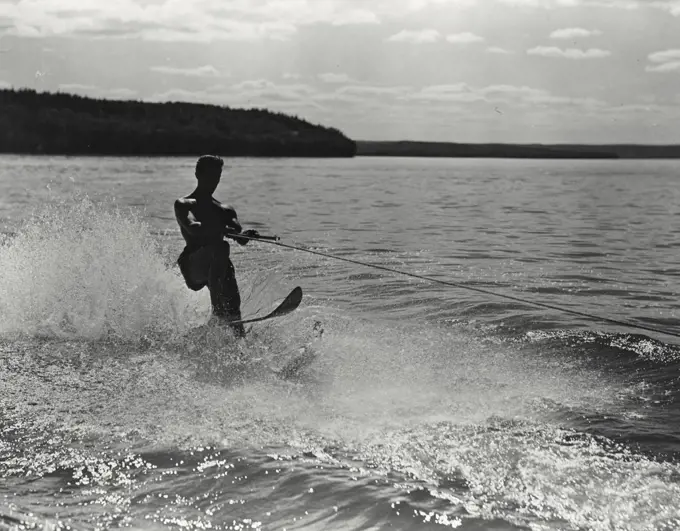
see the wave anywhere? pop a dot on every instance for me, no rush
(110, 398)
(84, 271)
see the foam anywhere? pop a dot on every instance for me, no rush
(436, 406)
(85, 271)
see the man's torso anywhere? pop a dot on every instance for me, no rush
(214, 218)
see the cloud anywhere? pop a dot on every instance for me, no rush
(569, 53)
(357, 99)
(364, 98)
(193, 96)
(638, 108)
(416, 36)
(199, 71)
(664, 56)
(255, 93)
(464, 38)
(76, 87)
(550, 100)
(457, 92)
(265, 90)
(230, 30)
(533, 96)
(510, 89)
(664, 67)
(374, 89)
(211, 20)
(242, 19)
(93, 91)
(120, 93)
(339, 98)
(192, 29)
(292, 97)
(666, 61)
(498, 50)
(175, 20)
(417, 5)
(355, 16)
(550, 4)
(670, 6)
(510, 95)
(5, 85)
(362, 107)
(531, 3)
(573, 33)
(331, 78)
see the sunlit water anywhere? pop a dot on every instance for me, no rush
(427, 406)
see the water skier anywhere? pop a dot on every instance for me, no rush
(205, 261)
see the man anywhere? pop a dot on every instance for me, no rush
(205, 261)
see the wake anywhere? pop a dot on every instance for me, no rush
(83, 272)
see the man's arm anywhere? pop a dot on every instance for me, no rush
(185, 218)
(231, 222)
(233, 227)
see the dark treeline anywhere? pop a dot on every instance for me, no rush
(56, 123)
(538, 151)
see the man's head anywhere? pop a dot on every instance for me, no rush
(208, 172)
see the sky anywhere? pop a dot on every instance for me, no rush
(538, 71)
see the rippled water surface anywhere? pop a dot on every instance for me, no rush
(426, 406)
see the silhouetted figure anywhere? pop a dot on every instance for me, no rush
(205, 261)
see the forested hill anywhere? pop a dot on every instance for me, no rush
(48, 123)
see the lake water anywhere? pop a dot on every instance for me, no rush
(427, 406)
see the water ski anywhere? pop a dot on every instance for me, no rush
(289, 304)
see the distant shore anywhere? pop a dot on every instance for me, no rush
(42, 123)
(530, 151)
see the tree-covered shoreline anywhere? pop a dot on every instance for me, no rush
(367, 148)
(46, 123)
